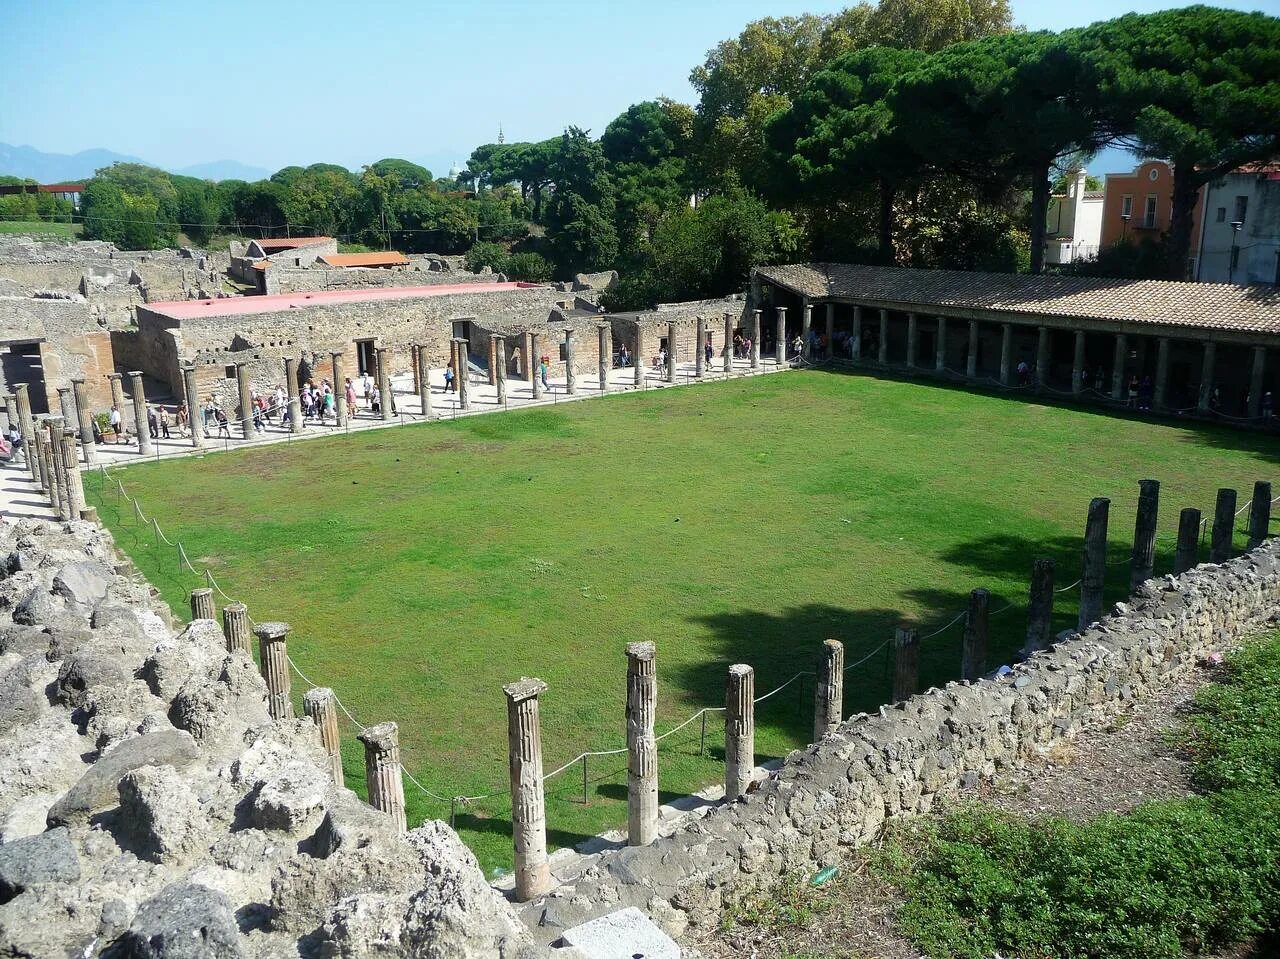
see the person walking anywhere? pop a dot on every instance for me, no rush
(153, 426)
(162, 418)
(184, 419)
(543, 364)
(224, 427)
(708, 351)
(114, 421)
(449, 376)
(351, 397)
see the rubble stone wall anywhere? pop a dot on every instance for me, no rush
(840, 791)
(283, 279)
(149, 806)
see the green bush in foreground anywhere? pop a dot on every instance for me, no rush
(1168, 878)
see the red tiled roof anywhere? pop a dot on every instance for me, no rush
(389, 258)
(279, 302)
(292, 243)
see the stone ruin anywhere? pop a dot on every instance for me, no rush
(150, 807)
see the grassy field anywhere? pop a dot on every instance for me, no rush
(42, 228)
(425, 566)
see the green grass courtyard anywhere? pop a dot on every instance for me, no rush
(423, 567)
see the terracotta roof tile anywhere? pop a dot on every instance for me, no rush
(1204, 306)
(292, 243)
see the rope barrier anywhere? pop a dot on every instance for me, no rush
(1071, 586)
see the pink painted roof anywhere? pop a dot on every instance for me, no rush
(277, 302)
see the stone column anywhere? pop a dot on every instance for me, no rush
(528, 805)
(671, 353)
(453, 354)
(493, 359)
(1224, 518)
(382, 773)
(606, 354)
(1162, 372)
(534, 379)
(906, 666)
(339, 388)
(384, 383)
(11, 411)
(66, 407)
(699, 349)
(739, 729)
(70, 465)
(828, 689)
(1077, 364)
(1188, 553)
(499, 367)
(755, 339)
(1094, 571)
(464, 374)
(40, 446)
(1142, 563)
(291, 387)
(274, 664)
(1042, 358)
(1117, 366)
(1255, 380)
(570, 374)
(1207, 368)
(116, 382)
(84, 419)
(780, 337)
(235, 628)
(831, 330)
(642, 748)
(247, 429)
(194, 419)
(322, 706)
(202, 603)
(728, 343)
(638, 360)
(57, 471)
(940, 347)
(856, 355)
(424, 381)
(971, 357)
(1006, 352)
(973, 654)
(1040, 607)
(884, 337)
(913, 339)
(806, 328)
(140, 413)
(1259, 514)
(22, 400)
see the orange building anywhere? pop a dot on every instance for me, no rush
(1139, 205)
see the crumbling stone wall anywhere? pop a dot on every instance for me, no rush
(839, 792)
(150, 807)
(283, 279)
(76, 342)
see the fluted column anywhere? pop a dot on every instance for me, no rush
(971, 357)
(534, 378)
(58, 477)
(235, 628)
(384, 383)
(194, 419)
(500, 367)
(780, 337)
(71, 469)
(1042, 357)
(806, 328)
(140, 413)
(755, 339)
(84, 420)
(739, 730)
(1259, 514)
(116, 382)
(973, 650)
(603, 331)
(383, 776)
(26, 425)
(1188, 552)
(464, 373)
(906, 663)
(339, 388)
(1040, 607)
(883, 356)
(44, 470)
(1118, 362)
(638, 361)
(570, 374)
(247, 429)
(642, 748)
(728, 343)
(671, 352)
(1142, 562)
(1207, 372)
(828, 690)
(913, 338)
(202, 603)
(291, 387)
(322, 706)
(273, 659)
(699, 347)
(493, 359)
(940, 347)
(831, 331)
(1006, 352)
(1077, 364)
(424, 380)
(1162, 373)
(66, 406)
(1255, 381)
(1094, 571)
(528, 804)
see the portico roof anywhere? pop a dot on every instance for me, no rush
(1203, 306)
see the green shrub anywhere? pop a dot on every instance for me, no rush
(488, 254)
(528, 267)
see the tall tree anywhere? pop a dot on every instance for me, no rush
(647, 147)
(580, 212)
(1198, 86)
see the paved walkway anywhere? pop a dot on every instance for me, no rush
(483, 399)
(20, 496)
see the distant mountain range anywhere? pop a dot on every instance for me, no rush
(25, 161)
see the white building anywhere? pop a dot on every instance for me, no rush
(1249, 197)
(1073, 229)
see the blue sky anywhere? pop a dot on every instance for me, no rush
(282, 81)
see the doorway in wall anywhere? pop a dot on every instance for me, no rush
(366, 358)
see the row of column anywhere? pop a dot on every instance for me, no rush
(1118, 386)
(53, 460)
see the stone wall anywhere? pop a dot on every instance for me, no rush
(146, 797)
(900, 761)
(283, 279)
(656, 326)
(76, 342)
